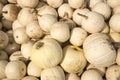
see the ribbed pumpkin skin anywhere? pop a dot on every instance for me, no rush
(98, 50)
(46, 53)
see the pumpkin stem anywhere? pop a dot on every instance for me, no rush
(83, 15)
(77, 48)
(5, 12)
(39, 15)
(39, 44)
(63, 20)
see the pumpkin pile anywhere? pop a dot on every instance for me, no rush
(59, 39)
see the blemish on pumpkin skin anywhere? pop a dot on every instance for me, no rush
(115, 70)
(108, 41)
(86, 17)
(22, 69)
(16, 36)
(39, 44)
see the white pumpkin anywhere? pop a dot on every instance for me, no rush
(46, 53)
(73, 60)
(91, 75)
(53, 73)
(98, 50)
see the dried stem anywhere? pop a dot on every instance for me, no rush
(39, 44)
(63, 20)
(5, 12)
(77, 48)
(83, 15)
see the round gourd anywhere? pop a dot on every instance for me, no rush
(114, 22)
(34, 70)
(3, 55)
(76, 3)
(17, 55)
(26, 48)
(77, 18)
(113, 3)
(92, 3)
(15, 70)
(10, 12)
(34, 30)
(46, 21)
(102, 70)
(20, 35)
(3, 39)
(12, 45)
(78, 36)
(60, 31)
(116, 10)
(72, 76)
(113, 72)
(99, 50)
(26, 16)
(47, 10)
(65, 11)
(93, 22)
(30, 78)
(91, 75)
(54, 73)
(99, 8)
(16, 24)
(55, 3)
(27, 3)
(46, 53)
(73, 59)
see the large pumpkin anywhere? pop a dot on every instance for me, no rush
(99, 50)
